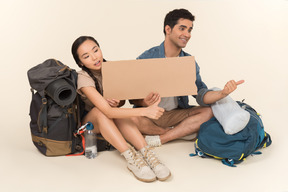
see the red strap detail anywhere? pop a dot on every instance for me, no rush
(83, 144)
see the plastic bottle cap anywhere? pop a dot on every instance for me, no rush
(89, 126)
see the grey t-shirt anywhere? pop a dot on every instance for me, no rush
(168, 103)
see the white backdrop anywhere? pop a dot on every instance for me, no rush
(231, 39)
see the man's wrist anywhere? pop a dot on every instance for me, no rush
(223, 94)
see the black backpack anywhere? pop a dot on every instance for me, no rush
(55, 109)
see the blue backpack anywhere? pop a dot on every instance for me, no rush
(212, 141)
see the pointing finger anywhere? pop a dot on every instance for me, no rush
(240, 82)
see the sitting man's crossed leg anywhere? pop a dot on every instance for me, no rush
(174, 124)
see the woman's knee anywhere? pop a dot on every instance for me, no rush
(94, 115)
(135, 120)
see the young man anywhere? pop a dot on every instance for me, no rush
(180, 120)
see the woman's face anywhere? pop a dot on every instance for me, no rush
(90, 55)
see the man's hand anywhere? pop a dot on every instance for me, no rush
(113, 102)
(151, 99)
(230, 87)
(213, 96)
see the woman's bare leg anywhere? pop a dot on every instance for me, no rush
(107, 128)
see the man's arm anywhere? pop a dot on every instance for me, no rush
(213, 96)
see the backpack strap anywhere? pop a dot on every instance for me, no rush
(228, 162)
(78, 112)
(80, 132)
(42, 117)
(266, 141)
(198, 151)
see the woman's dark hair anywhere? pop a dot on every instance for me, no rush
(74, 49)
(172, 17)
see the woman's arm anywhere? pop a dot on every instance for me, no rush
(153, 111)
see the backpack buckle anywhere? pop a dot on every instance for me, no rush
(44, 100)
(228, 162)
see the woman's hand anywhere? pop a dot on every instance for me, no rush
(113, 102)
(153, 111)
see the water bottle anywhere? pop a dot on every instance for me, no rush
(90, 142)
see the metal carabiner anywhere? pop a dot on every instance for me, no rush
(82, 128)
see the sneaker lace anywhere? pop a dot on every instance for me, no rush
(137, 158)
(151, 157)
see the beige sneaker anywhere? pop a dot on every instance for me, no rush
(160, 170)
(138, 166)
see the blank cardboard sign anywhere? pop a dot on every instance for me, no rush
(135, 79)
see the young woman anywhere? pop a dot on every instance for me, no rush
(112, 122)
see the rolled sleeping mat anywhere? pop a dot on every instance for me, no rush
(230, 115)
(61, 92)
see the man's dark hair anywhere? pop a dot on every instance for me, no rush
(172, 17)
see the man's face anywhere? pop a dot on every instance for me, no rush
(180, 34)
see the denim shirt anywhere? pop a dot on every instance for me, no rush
(183, 101)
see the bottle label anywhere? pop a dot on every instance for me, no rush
(91, 152)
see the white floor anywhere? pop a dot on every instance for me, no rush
(24, 169)
(231, 40)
